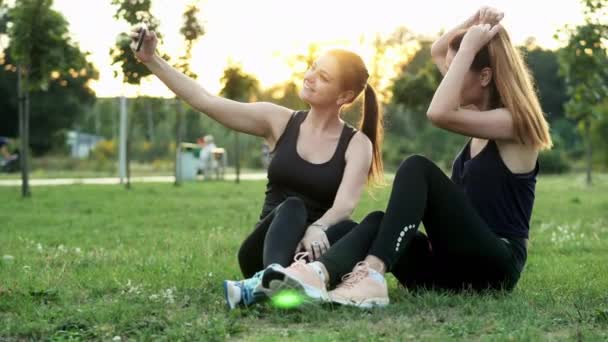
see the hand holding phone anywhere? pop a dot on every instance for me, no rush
(141, 37)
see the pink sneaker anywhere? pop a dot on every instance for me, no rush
(300, 276)
(363, 287)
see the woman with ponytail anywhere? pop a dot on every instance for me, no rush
(319, 167)
(477, 222)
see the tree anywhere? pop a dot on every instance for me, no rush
(55, 110)
(391, 54)
(413, 89)
(191, 30)
(41, 51)
(408, 130)
(284, 94)
(239, 86)
(583, 64)
(133, 12)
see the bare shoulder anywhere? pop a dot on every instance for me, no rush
(360, 145)
(518, 158)
(278, 116)
(274, 111)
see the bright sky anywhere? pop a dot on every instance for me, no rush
(260, 34)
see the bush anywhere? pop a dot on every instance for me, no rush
(553, 162)
(104, 156)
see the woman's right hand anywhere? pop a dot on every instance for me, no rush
(487, 15)
(477, 36)
(148, 47)
(314, 242)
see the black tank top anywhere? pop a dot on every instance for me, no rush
(290, 175)
(502, 198)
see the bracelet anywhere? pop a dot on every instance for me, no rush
(323, 226)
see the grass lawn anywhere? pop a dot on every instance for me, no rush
(100, 262)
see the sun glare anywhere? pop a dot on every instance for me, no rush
(263, 35)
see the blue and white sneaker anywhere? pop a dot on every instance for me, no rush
(248, 291)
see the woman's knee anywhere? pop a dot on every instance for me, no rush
(374, 217)
(415, 161)
(373, 220)
(294, 206)
(415, 164)
(293, 203)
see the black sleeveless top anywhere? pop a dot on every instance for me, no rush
(290, 175)
(502, 198)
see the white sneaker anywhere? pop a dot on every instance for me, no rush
(363, 287)
(300, 276)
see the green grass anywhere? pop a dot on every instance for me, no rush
(96, 262)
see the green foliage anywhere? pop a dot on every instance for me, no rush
(3, 17)
(133, 12)
(241, 86)
(583, 64)
(550, 85)
(64, 102)
(599, 133)
(408, 129)
(58, 74)
(554, 161)
(583, 61)
(238, 85)
(39, 41)
(391, 54)
(284, 94)
(191, 30)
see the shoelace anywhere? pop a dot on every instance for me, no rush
(299, 259)
(360, 271)
(248, 287)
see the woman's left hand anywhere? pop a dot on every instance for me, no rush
(478, 36)
(314, 242)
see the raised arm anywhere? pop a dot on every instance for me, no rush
(440, 47)
(445, 111)
(262, 119)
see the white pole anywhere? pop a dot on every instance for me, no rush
(122, 148)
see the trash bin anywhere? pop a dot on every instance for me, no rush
(187, 160)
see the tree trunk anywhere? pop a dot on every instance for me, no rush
(589, 150)
(178, 140)
(150, 120)
(129, 136)
(128, 185)
(24, 107)
(237, 157)
(122, 145)
(97, 122)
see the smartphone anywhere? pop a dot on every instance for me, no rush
(140, 39)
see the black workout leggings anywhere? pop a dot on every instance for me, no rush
(276, 236)
(460, 251)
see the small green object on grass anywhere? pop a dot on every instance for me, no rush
(287, 299)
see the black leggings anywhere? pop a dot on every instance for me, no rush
(460, 252)
(276, 236)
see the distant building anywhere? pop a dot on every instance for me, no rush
(81, 144)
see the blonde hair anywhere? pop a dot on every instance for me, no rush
(513, 87)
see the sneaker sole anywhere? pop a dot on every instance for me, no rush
(231, 305)
(365, 304)
(275, 281)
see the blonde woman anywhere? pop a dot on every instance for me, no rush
(477, 222)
